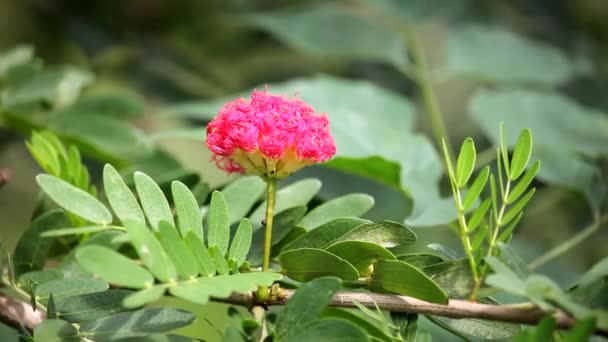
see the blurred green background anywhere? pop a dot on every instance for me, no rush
(165, 53)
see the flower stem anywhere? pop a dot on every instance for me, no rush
(270, 199)
(271, 191)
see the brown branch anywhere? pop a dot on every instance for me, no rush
(19, 314)
(523, 314)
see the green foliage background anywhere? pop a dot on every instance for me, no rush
(536, 64)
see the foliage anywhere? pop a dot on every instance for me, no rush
(122, 222)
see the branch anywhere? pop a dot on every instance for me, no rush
(523, 314)
(19, 314)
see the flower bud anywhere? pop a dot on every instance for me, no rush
(270, 136)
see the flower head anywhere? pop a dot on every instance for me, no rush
(269, 135)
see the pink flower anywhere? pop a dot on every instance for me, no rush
(269, 135)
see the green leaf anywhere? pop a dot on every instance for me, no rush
(57, 86)
(370, 328)
(360, 254)
(453, 276)
(386, 234)
(483, 329)
(8, 334)
(306, 306)
(573, 173)
(152, 200)
(201, 254)
(29, 280)
(218, 259)
(112, 239)
(116, 105)
(596, 272)
(294, 195)
(16, 56)
(479, 238)
(61, 288)
(78, 230)
(479, 214)
(375, 168)
(486, 54)
(218, 233)
(545, 293)
(542, 332)
(400, 277)
(176, 249)
(102, 137)
(581, 331)
(325, 235)
(187, 208)
(555, 145)
(55, 330)
(476, 188)
(74, 200)
(517, 207)
(466, 162)
(419, 11)
(222, 286)
(521, 154)
(241, 243)
(136, 323)
(90, 306)
(523, 183)
(513, 260)
(284, 224)
(121, 198)
(304, 264)
(51, 312)
(32, 250)
(419, 260)
(334, 330)
(504, 278)
(151, 253)
(241, 195)
(143, 297)
(113, 267)
(45, 153)
(354, 36)
(351, 205)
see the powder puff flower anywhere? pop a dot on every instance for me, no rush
(270, 136)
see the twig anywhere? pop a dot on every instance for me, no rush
(523, 314)
(20, 314)
(570, 243)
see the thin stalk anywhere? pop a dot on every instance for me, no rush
(271, 191)
(423, 81)
(270, 200)
(570, 243)
(500, 216)
(466, 241)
